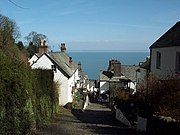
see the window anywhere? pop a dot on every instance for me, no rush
(53, 67)
(178, 62)
(158, 60)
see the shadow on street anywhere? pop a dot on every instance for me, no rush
(101, 120)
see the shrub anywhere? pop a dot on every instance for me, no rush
(15, 87)
(162, 96)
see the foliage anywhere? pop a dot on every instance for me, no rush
(15, 89)
(45, 103)
(27, 98)
(35, 38)
(78, 99)
(20, 45)
(162, 96)
(8, 31)
(32, 49)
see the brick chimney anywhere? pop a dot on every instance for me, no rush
(79, 66)
(115, 65)
(117, 68)
(63, 47)
(43, 48)
(70, 61)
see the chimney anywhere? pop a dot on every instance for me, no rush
(63, 47)
(117, 68)
(79, 66)
(43, 48)
(70, 61)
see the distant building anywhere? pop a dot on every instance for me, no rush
(142, 74)
(117, 77)
(165, 54)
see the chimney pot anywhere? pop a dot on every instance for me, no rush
(70, 61)
(43, 48)
(63, 47)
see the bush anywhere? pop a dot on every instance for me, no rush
(15, 89)
(162, 96)
(28, 99)
(45, 96)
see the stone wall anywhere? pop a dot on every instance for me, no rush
(121, 117)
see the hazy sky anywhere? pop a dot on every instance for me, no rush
(119, 25)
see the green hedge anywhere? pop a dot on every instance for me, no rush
(44, 97)
(27, 98)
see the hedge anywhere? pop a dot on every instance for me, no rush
(28, 98)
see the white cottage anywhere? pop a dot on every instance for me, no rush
(165, 54)
(117, 77)
(142, 74)
(65, 71)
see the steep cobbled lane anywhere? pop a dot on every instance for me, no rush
(97, 119)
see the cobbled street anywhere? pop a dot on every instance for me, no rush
(97, 119)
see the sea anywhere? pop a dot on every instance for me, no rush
(93, 62)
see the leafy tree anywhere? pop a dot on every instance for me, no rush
(20, 45)
(32, 49)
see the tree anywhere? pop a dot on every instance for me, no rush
(20, 45)
(32, 49)
(34, 39)
(9, 31)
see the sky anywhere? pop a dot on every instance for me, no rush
(89, 25)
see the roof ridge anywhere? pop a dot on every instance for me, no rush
(170, 38)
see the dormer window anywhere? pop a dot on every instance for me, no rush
(53, 67)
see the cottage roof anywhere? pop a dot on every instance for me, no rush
(120, 78)
(109, 76)
(129, 71)
(105, 75)
(169, 39)
(61, 59)
(145, 65)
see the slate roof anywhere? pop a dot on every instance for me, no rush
(129, 71)
(105, 75)
(119, 78)
(145, 65)
(169, 39)
(62, 60)
(109, 76)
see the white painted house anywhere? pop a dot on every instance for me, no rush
(117, 77)
(165, 54)
(65, 71)
(142, 74)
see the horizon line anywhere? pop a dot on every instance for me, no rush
(108, 51)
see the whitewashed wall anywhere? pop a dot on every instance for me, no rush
(141, 80)
(104, 86)
(63, 91)
(132, 85)
(33, 59)
(168, 61)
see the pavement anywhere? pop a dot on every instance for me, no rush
(97, 119)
